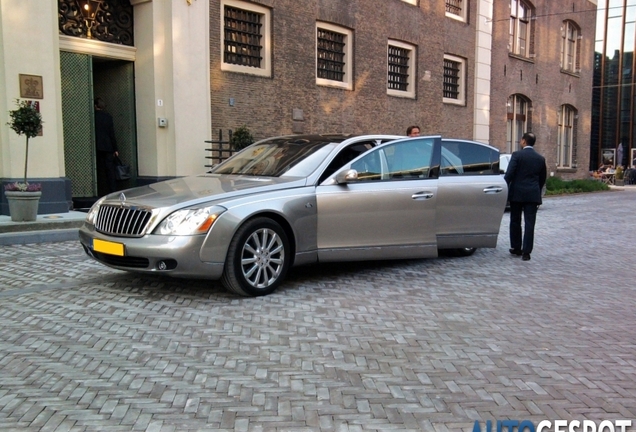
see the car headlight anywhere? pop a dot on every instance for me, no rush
(92, 213)
(189, 221)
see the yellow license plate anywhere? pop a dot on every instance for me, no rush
(108, 247)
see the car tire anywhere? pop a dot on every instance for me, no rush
(257, 259)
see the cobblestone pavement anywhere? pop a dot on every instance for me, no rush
(421, 345)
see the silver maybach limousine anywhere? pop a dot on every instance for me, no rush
(300, 199)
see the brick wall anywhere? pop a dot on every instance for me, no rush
(540, 79)
(265, 104)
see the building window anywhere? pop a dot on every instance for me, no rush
(245, 36)
(454, 79)
(520, 28)
(565, 139)
(401, 69)
(518, 121)
(334, 56)
(570, 47)
(456, 9)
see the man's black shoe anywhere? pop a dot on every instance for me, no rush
(515, 251)
(526, 257)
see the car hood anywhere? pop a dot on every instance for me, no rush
(200, 189)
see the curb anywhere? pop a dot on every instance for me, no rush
(42, 236)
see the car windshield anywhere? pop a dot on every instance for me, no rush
(289, 156)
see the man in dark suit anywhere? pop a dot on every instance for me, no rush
(526, 175)
(106, 148)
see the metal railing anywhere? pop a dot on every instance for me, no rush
(220, 149)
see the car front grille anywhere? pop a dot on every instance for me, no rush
(122, 221)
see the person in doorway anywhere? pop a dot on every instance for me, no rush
(526, 176)
(106, 146)
(413, 131)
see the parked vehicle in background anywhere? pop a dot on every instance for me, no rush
(504, 160)
(302, 199)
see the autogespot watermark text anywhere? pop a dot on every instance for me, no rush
(554, 426)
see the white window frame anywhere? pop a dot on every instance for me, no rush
(515, 127)
(462, 16)
(461, 99)
(347, 83)
(410, 92)
(568, 44)
(266, 64)
(565, 138)
(515, 27)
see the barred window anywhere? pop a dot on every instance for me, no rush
(456, 9)
(242, 37)
(454, 78)
(333, 56)
(400, 69)
(245, 38)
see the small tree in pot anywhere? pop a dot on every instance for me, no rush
(24, 198)
(25, 120)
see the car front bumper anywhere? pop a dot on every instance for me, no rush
(178, 256)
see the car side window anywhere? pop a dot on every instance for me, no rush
(467, 158)
(345, 156)
(369, 167)
(402, 160)
(409, 159)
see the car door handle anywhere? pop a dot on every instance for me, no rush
(422, 195)
(493, 189)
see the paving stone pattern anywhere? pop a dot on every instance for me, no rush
(419, 345)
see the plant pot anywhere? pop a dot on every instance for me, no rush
(23, 206)
(619, 182)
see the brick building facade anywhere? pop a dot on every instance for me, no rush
(533, 77)
(178, 71)
(290, 100)
(544, 68)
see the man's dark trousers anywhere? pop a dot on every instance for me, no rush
(529, 211)
(106, 171)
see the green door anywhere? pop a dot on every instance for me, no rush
(77, 116)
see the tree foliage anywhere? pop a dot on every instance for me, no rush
(25, 120)
(241, 138)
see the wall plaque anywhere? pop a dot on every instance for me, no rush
(31, 86)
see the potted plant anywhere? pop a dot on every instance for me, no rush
(619, 176)
(241, 138)
(24, 197)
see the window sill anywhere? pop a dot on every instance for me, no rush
(566, 170)
(401, 94)
(455, 17)
(456, 102)
(569, 72)
(262, 72)
(342, 85)
(522, 58)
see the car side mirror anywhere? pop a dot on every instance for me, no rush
(346, 176)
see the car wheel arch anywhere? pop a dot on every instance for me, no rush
(284, 224)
